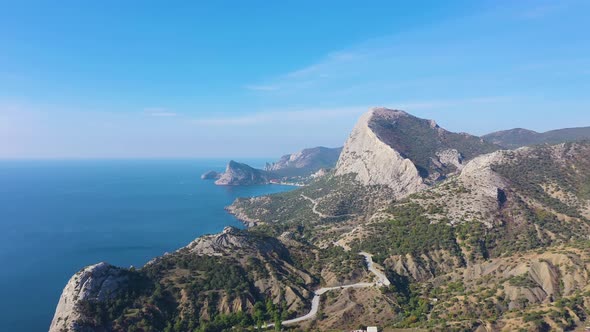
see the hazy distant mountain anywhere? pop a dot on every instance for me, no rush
(291, 167)
(305, 162)
(518, 137)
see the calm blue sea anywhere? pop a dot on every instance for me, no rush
(59, 216)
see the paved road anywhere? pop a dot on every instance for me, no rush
(315, 205)
(320, 214)
(315, 302)
(371, 266)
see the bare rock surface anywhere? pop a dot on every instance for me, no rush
(97, 282)
(376, 163)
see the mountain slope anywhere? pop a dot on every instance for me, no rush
(219, 281)
(389, 154)
(490, 242)
(518, 137)
(394, 148)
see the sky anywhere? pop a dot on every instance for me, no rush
(240, 79)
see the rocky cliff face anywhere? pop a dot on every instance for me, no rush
(237, 174)
(94, 283)
(305, 162)
(395, 149)
(376, 163)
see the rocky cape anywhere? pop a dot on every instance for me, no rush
(296, 168)
(239, 174)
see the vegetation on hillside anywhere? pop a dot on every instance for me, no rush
(418, 140)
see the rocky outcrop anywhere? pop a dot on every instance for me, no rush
(305, 162)
(211, 175)
(478, 174)
(232, 239)
(238, 174)
(97, 282)
(406, 153)
(449, 157)
(262, 262)
(376, 163)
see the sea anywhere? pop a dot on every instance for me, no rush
(57, 216)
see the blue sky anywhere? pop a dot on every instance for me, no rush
(126, 79)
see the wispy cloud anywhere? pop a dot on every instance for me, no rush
(319, 115)
(159, 112)
(280, 116)
(321, 69)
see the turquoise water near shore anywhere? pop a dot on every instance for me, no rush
(59, 216)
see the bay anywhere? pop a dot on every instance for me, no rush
(58, 216)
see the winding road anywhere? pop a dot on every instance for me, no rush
(315, 302)
(314, 209)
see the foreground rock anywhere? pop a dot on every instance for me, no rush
(95, 283)
(228, 274)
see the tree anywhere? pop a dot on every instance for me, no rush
(278, 323)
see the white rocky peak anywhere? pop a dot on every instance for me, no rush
(376, 163)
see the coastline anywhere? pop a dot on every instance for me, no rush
(241, 216)
(292, 184)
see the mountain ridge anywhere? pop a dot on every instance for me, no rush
(420, 151)
(519, 137)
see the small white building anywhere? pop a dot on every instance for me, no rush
(372, 329)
